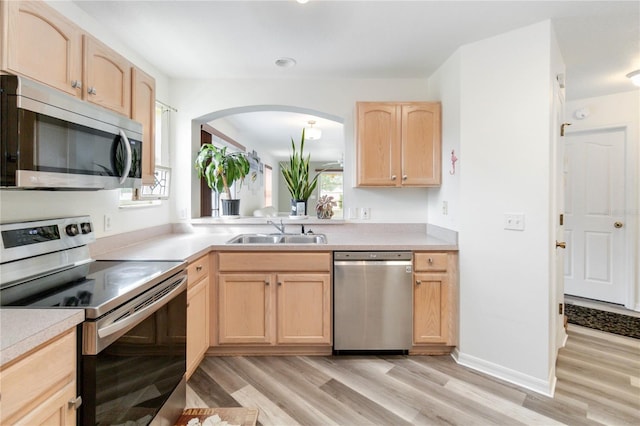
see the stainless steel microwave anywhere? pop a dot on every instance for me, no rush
(50, 140)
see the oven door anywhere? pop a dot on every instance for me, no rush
(130, 369)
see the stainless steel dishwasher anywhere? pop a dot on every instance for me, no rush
(373, 301)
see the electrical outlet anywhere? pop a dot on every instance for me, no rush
(366, 213)
(108, 222)
(514, 221)
(445, 208)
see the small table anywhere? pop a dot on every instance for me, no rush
(236, 415)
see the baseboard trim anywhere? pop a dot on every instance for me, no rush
(544, 387)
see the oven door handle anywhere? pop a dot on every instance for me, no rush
(133, 318)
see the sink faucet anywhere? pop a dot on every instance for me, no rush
(278, 227)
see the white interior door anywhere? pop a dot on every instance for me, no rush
(558, 210)
(595, 207)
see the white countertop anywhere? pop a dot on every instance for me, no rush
(22, 330)
(190, 246)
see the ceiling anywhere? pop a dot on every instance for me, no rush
(599, 40)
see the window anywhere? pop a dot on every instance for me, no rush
(159, 189)
(330, 183)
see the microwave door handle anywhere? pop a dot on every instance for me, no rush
(127, 166)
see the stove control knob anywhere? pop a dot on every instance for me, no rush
(85, 227)
(72, 230)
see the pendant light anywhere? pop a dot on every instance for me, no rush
(635, 77)
(312, 133)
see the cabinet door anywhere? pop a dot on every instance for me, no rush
(37, 387)
(197, 324)
(55, 411)
(378, 144)
(107, 77)
(421, 157)
(431, 308)
(42, 45)
(304, 308)
(143, 109)
(244, 308)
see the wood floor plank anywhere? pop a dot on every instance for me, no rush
(508, 408)
(269, 413)
(370, 412)
(293, 404)
(224, 375)
(210, 392)
(370, 387)
(324, 403)
(442, 404)
(446, 365)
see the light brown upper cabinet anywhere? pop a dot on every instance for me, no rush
(143, 109)
(398, 144)
(41, 45)
(107, 77)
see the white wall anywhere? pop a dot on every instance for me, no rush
(505, 151)
(444, 86)
(196, 98)
(26, 205)
(620, 109)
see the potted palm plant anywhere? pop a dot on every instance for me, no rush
(298, 180)
(221, 170)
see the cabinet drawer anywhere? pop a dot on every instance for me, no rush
(33, 379)
(198, 269)
(430, 262)
(274, 262)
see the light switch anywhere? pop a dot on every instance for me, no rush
(514, 221)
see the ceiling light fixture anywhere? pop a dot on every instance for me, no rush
(635, 77)
(285, 62)
(312, 133)
(302, 1)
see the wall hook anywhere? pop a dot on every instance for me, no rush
(453, 162)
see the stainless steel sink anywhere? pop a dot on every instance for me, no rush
(305, 239)
(278, 239)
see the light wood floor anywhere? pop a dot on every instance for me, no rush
(598, 383)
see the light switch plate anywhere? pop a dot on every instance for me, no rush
(366, 213)
(514, 221)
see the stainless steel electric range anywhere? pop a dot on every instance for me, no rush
(132, 344)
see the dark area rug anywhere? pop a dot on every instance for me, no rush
(610, 322)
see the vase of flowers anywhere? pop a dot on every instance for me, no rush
(324, 207)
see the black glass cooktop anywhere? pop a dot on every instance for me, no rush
(98, 286)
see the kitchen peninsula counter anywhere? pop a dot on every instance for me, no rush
(370, 237)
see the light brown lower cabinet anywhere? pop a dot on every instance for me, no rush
(198, 306)
(435, 301)
(273, 303)
(40, 388)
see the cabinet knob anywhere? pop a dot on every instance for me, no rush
(279, 282)
(76, 84)
(92, 90)
(75, 403)
(198, 268)
(430, 260)
(618, 225)
(404, 177)
(393, 177)
(266, 282)
(418, 282)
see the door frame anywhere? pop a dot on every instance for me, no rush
(631, 205)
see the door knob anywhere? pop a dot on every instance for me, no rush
(561, 244)
(618, 225)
